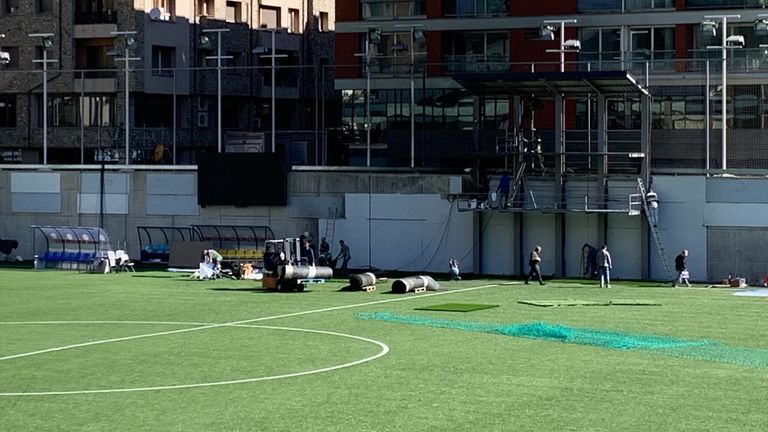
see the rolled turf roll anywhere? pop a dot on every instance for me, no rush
(362, 279)
(405, 285)
(305, 272)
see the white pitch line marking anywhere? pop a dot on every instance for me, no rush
(234, 323)
(383, 346)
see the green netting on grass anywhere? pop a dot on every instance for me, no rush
(684, 348)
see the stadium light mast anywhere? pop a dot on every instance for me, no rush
(709, 28)
(547, 32)
(129, 42)
(262, 51)
(46, 42)
(204, 42)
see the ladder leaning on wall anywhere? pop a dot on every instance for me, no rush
(654, 231)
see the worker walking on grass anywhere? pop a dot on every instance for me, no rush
(345, 256)
(535, 265)
(681, 265)
(604, 266)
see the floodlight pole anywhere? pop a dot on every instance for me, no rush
(126, 59)
(723, 47)
(218, 58)
(412, 51)
(45, 62)
(273, 55)
(367, 99)
(562, 39)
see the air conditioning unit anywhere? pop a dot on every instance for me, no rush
(202, 103)
(202, 119)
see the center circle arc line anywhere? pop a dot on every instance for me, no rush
(383, 346)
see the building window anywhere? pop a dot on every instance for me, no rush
(92, 54)
(163, 60)
(599, 5)
(388, 9)
(167, 9)
(206, 8)
(464, 8)
(478, 52)
(654, 44)
(153, 111)
(392, 55)
(601, 48)
(65, 111)
(13, 53)
(293, 21)
(639, 5)
(11, 6)
(98, 111)
(7, 111)
(270, 17)
(62, 111)
(234, 12)
(325, 24)
(44, 6)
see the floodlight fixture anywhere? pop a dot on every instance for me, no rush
(572, 45)
(708, 28)
(418, 36)
(374, 36)
(205, 42)
(761, 27)
(547, 32)
(735, 41)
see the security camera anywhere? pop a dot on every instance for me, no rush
(572, 45)
(735, 41)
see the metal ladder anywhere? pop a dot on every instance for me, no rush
(654, 232)
(516, 182)
(330, 225)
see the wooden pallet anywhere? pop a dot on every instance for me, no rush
(419, 290)
(369, 288)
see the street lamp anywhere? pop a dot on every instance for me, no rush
(262, 51)
(372, 36)
(130, 40)
(46, 42)
(205, 42)
(547, 32)
(709, 28)
(417, 36)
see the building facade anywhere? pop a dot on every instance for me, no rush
(660, 42)
(173, 77)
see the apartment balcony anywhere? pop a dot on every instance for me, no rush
(95, 17)
(97, 81)
(284, 41)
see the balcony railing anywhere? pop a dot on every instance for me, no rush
(396, 66)
(476, 63)
(108, 17)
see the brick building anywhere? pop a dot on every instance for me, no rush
(173, 82)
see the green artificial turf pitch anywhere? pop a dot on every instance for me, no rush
(553, 303)
(457, 307)
(154, 351)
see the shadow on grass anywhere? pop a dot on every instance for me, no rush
(258, 290)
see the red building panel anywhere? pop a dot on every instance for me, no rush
(542, 7)
(434, 9)
(347, 10)
(347, 44)
(434, 52)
